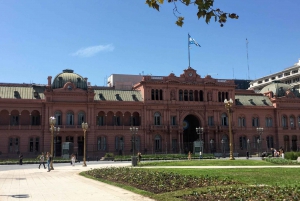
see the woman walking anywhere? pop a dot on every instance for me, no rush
(42, 160)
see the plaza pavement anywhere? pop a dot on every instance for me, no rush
(27, 182)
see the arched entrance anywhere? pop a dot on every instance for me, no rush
(190, 123)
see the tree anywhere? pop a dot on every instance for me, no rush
(205, 10)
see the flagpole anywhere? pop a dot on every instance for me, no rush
(189, 49)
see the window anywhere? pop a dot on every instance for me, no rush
(119, 143)
(81, 118)
(117, 120)
(136, 142)
(69, 139)
(173, 120)
(201, 95)
(152, 94)
(157, 118)
(101, 143)
(14, 145)
(157, 145)
(284, 122)
(191, 97)
(210, 120)
(34, 144)
(186, 95)
(224, 119)
(255, 122)
(270, 142)
(269, 122)
(292, 122)
(100, 121)
(174, 145)
(180, 95)
(70, 118)
(241, 122)
(243, 142)
(58, 118)
(35, 120)
(14, 120)
(299, 121)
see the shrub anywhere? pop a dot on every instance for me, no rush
(108, 155)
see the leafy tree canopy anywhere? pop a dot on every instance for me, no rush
(205, 10)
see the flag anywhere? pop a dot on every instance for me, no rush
(192, 41)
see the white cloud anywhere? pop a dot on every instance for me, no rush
(91, 51)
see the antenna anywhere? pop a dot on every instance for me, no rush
(247, 57)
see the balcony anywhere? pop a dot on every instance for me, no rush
(20, 127)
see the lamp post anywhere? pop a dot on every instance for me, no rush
(223, 147)
(259, 131)
(228, 105)
(55, 132)
(133, 131)
(258, 141)
(52, 122)
(84, 126)
(199, 131)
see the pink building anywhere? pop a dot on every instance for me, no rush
(165, 109)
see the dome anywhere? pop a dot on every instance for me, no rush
(277, 88)
(68, 75)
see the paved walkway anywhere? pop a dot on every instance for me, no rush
(27, 182)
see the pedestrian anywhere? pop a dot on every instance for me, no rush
(189, 156)
(247, 154)
(200, 155)
(21, 159)
(48, 157)
(139, 157)
(73, 159)
(282, 154)
(42, 160)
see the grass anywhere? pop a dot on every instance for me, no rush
(268, 180)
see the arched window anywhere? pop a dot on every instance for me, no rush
(152, 94)
(157, 118)
(191, 98)
(70, 118)
(186, 96)
(269, 122)
(201, 95)
(180, 95)
(160, 94)
(157, 143)
(292, 122)
(58, 118)
(284, 122)
(156, 94)
(241, 122)
(255, 122)
(101, 143)
(224, 119)
(294, 143)
(81, 118)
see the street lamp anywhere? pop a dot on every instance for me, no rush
(228, 105)
(258, 141)
(259, 131)
(55, 132)
(199, 131)
(52, 122)
(133, 131)
(85, 126)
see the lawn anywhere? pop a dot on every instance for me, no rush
(162, 184)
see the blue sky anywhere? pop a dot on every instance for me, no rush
(98, 38)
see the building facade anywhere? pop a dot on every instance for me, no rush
(165, 109)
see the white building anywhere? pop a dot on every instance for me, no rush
(290, 75)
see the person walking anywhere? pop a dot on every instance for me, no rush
(42, 160)
(21, 159)
(48, 156)
(139, 157)
(73, 159)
